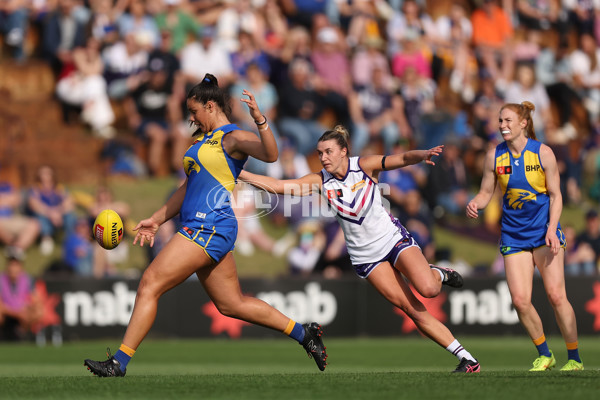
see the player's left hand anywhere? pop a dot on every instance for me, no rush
(146, 229)
(252, 106)
(434, 151)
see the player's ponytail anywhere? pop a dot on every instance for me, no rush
(340, 134)
(208, 90)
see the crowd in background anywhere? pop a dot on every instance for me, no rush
(399, 74)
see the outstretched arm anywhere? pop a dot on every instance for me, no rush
(488, 185)
(296, 187)
(374, 164)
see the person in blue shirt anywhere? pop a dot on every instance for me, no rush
(205, 242)
(527, 173)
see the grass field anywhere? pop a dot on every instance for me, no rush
(367, 368)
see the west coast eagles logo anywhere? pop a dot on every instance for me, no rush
(517, 197)
(190, 164)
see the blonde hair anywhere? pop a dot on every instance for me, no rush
(524, 111)
(340, 134)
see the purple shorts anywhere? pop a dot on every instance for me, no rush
(363, 270)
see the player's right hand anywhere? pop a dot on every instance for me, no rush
(472, 210)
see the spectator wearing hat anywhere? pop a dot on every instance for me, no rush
(20, 307)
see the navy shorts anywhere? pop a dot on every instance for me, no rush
(363, 270)
(216, 241)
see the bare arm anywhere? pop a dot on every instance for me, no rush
(373, 164)
(553, 186)
(296, 187)
(242, 143)
(488, 185)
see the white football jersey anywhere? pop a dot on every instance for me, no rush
(370, 230)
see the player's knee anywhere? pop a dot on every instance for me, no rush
(556, 298)
(521, 304)
(429, 290)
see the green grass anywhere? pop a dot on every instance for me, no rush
(366, 368)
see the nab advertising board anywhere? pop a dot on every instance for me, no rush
(345, 307)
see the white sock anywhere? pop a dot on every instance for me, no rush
(459, 351)
(439, 272)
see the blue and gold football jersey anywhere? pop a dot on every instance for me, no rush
(212, 174)
(525, 200)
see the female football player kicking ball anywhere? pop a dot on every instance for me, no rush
(381, 249)
(205, 243)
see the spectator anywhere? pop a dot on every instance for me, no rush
(591, 234)
(17, 231)
(582, 15)
(266, 98)
(368, 57)
(13, 26)
(553, 70)
(415, 99)
(493, 41)
(448, 183)
(289, 165)
(148, 112)
(485, 110)
(298, 44)
(249, 53)
(124, 63)
(332, 70)
(416, 216)
(206, 56)
(78, 249)
(539, 15)
(585, 65)
(102, 24)
(454, 35)
(303, 258)
(86, 87)
(580, 258)
(300, 107)
(62, 32)
(179, 22)
(276, 27)
(526, 87)
(334, 260)
(411, 21)
(239, 16)
(20, 307)
(410, 56)
(399, 183)
(137, 20)
(371, 109)
(52, 205)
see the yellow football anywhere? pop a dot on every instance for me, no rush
(108, 229)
